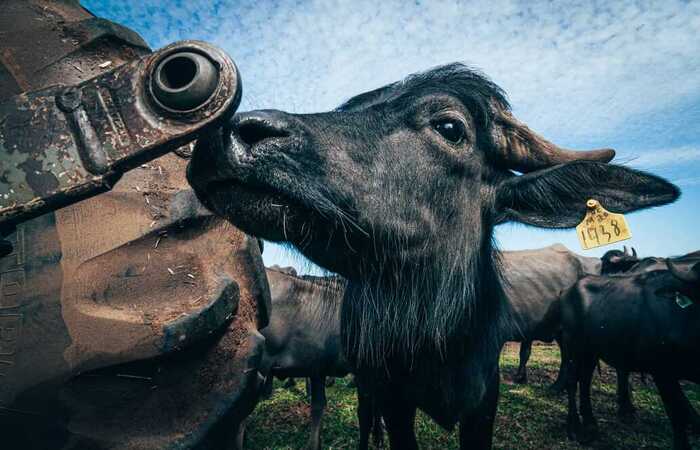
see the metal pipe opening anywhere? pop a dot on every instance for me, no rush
(184, 81)
(177, 72)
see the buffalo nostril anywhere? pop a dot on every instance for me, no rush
(253, 131)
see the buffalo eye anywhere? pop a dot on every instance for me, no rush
(450, 129)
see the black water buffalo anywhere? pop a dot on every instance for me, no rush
(303, 341)
(534, 280)
(646, 321)
(617, 262)
(399, 191)
(303, 337)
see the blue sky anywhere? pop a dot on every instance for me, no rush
(620, 74)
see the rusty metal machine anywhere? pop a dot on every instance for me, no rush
(129, 319)
(63, 143)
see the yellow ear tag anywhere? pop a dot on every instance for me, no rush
(601, 227)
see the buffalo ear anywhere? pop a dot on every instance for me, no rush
(556, 197)
(688, 274)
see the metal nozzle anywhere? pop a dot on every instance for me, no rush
(184, 81)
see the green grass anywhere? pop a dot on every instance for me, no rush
(528, 416)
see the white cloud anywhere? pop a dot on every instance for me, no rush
(577, 72)
(680, 165)
(574, 70)
(660, 158)
(687, 182)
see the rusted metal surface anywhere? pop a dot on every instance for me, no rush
(128, 320)
(61, 144)
(68, 45)
(122, 292)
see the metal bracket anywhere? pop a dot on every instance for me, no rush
(62, 144)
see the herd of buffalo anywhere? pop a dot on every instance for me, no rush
(545, 290)
(398, 191)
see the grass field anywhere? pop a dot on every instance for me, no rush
(528, 417)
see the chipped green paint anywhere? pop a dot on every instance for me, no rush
(62, 144)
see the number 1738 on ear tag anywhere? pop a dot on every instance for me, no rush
(601, 227)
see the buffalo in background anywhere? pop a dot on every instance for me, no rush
(303, 337)
(302, 340)
(641, 321)
(534, 280)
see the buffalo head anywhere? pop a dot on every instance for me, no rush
(399, 190)
(618, 261)
(404, 173)
(688, 272)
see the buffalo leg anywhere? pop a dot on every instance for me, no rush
(693, 417)
(365, 412)
(573, 423)
(240, 435)
(625, 408)
(291, 383)
(643, 378)
(476, 429)
(267, 387)
(559, 384)
(673, 399)
(318, 404)
(585, 376)
(525, 350)
(377, 427)
(399, 416)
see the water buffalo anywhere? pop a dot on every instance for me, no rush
(614, 262)
(303, 340)
(645, 321)
(399, 190)
(534, 280)
(303, 337)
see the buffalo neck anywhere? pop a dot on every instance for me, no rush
(444, 308)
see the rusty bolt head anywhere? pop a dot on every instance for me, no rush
(69, 99)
